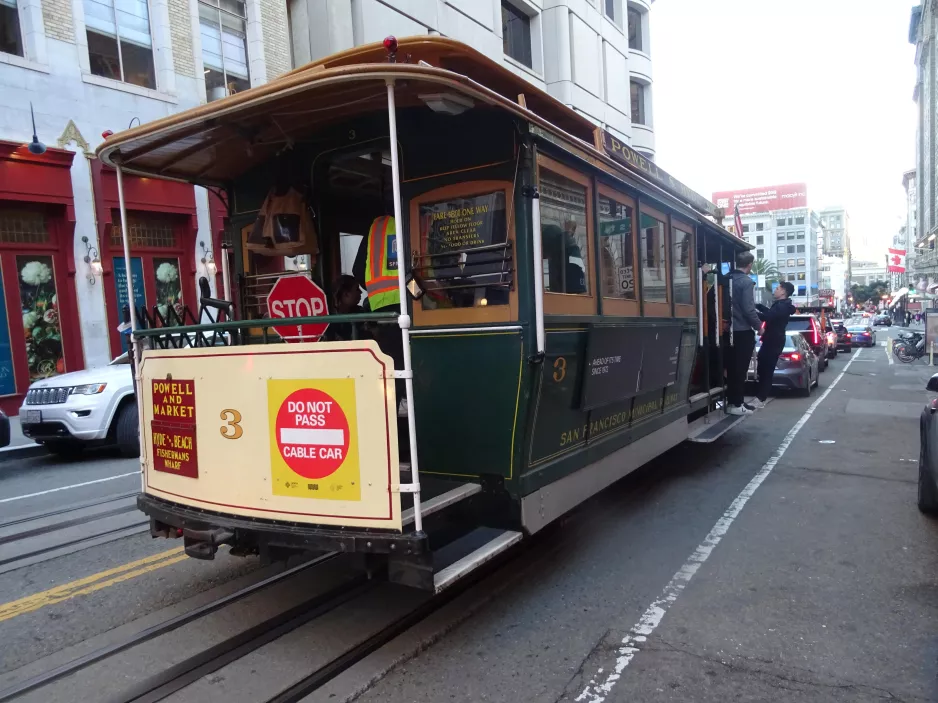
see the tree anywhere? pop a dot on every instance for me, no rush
(874, 292)
(764, 267)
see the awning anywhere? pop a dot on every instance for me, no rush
(897, 296)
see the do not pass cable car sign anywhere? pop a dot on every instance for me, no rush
(297, 296)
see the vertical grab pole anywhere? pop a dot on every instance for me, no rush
(225, 272)
(135, 350)
(538, 254)
(403, 319)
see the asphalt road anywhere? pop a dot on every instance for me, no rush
(820, 587)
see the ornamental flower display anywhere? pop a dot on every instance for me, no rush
(168, 287)
(40, 317)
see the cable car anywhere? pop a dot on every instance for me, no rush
(541, 331)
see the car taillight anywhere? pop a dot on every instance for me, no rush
(849, 336)
(817, 339)
(791, 356)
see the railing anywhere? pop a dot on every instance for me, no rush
(232, 332)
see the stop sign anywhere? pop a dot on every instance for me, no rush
(297, 296)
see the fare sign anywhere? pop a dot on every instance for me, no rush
(297, 296)
(314, 450)
(173, 427)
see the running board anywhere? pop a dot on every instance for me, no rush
(704, 432)
(444, 500)
(459, 569)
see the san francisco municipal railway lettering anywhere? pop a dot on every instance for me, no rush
(172, 428)
(600, 425)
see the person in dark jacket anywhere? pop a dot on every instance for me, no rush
(773, 338)
(744, 320)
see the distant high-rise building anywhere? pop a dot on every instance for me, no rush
(836, 224)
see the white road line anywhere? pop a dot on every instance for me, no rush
(596, 691)
(65, 488)
(888, 349)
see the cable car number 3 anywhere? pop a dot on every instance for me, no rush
(232, 428)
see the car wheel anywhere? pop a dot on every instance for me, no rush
(927, 495)
(128, 431)
(806, 391)
(65, 448)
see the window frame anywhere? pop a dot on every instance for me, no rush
(120, 54)
(641, 103)
(18, 12)
(221, 33)
(519, 13)
(479, 314)
(652, 308)
(631, 10)
(683, 309)
(573, 303)
(622, 307)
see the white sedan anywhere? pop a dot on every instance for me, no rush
(69, 412)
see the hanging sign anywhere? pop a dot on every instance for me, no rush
(172, 429)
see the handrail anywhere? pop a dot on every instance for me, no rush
(234, 325)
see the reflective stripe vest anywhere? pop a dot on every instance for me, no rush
(381, 269)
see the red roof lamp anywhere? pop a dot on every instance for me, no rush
(390, 45)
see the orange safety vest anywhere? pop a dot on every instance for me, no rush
(381, 282)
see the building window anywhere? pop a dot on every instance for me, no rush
(119, 44)
(635, 30)
(791, 262)
(745, 228)
(616, 221)
(801, 262)
(638, 102)
(781, 249)
(801, 248)
(759, 226)
(564, 235)
(800, 235)
(760, 253)
(760, 239)
(802, 290)
(799, 220)
(613, 9)
(790, 235)
(223, 26)
(11, 40)
(791, 277)
(23, 227)
(146, 230)
(780, 222)
(516, 34)
(790, 249)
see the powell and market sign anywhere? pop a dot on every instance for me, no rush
(629, 157)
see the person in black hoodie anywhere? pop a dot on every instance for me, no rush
(773, 338)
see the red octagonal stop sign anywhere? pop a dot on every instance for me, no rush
(297, 296)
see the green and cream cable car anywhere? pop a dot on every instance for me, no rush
(553, 332)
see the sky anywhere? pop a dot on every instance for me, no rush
(751, 93)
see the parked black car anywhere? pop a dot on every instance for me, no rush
(882, 319)
(4, 429)
(810, 328)
(843, 336)
(928, 454)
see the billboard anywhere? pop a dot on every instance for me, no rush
(766, 199)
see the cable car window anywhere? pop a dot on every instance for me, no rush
(564, 234)
(616, 221)
(465, 258)
(653, 255)
(681, 262)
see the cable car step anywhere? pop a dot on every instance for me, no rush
(705, 432)
(449, 575)
(444, 500)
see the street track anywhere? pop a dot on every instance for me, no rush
(154, 631)
(38, 525)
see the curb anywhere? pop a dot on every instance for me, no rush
(23, 451)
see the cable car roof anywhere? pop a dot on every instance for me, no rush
(215, 143)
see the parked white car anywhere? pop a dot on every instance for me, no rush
(75, 410)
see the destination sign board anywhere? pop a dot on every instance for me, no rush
(624, 154)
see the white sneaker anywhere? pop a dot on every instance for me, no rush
(738, 410)
(756, 404)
